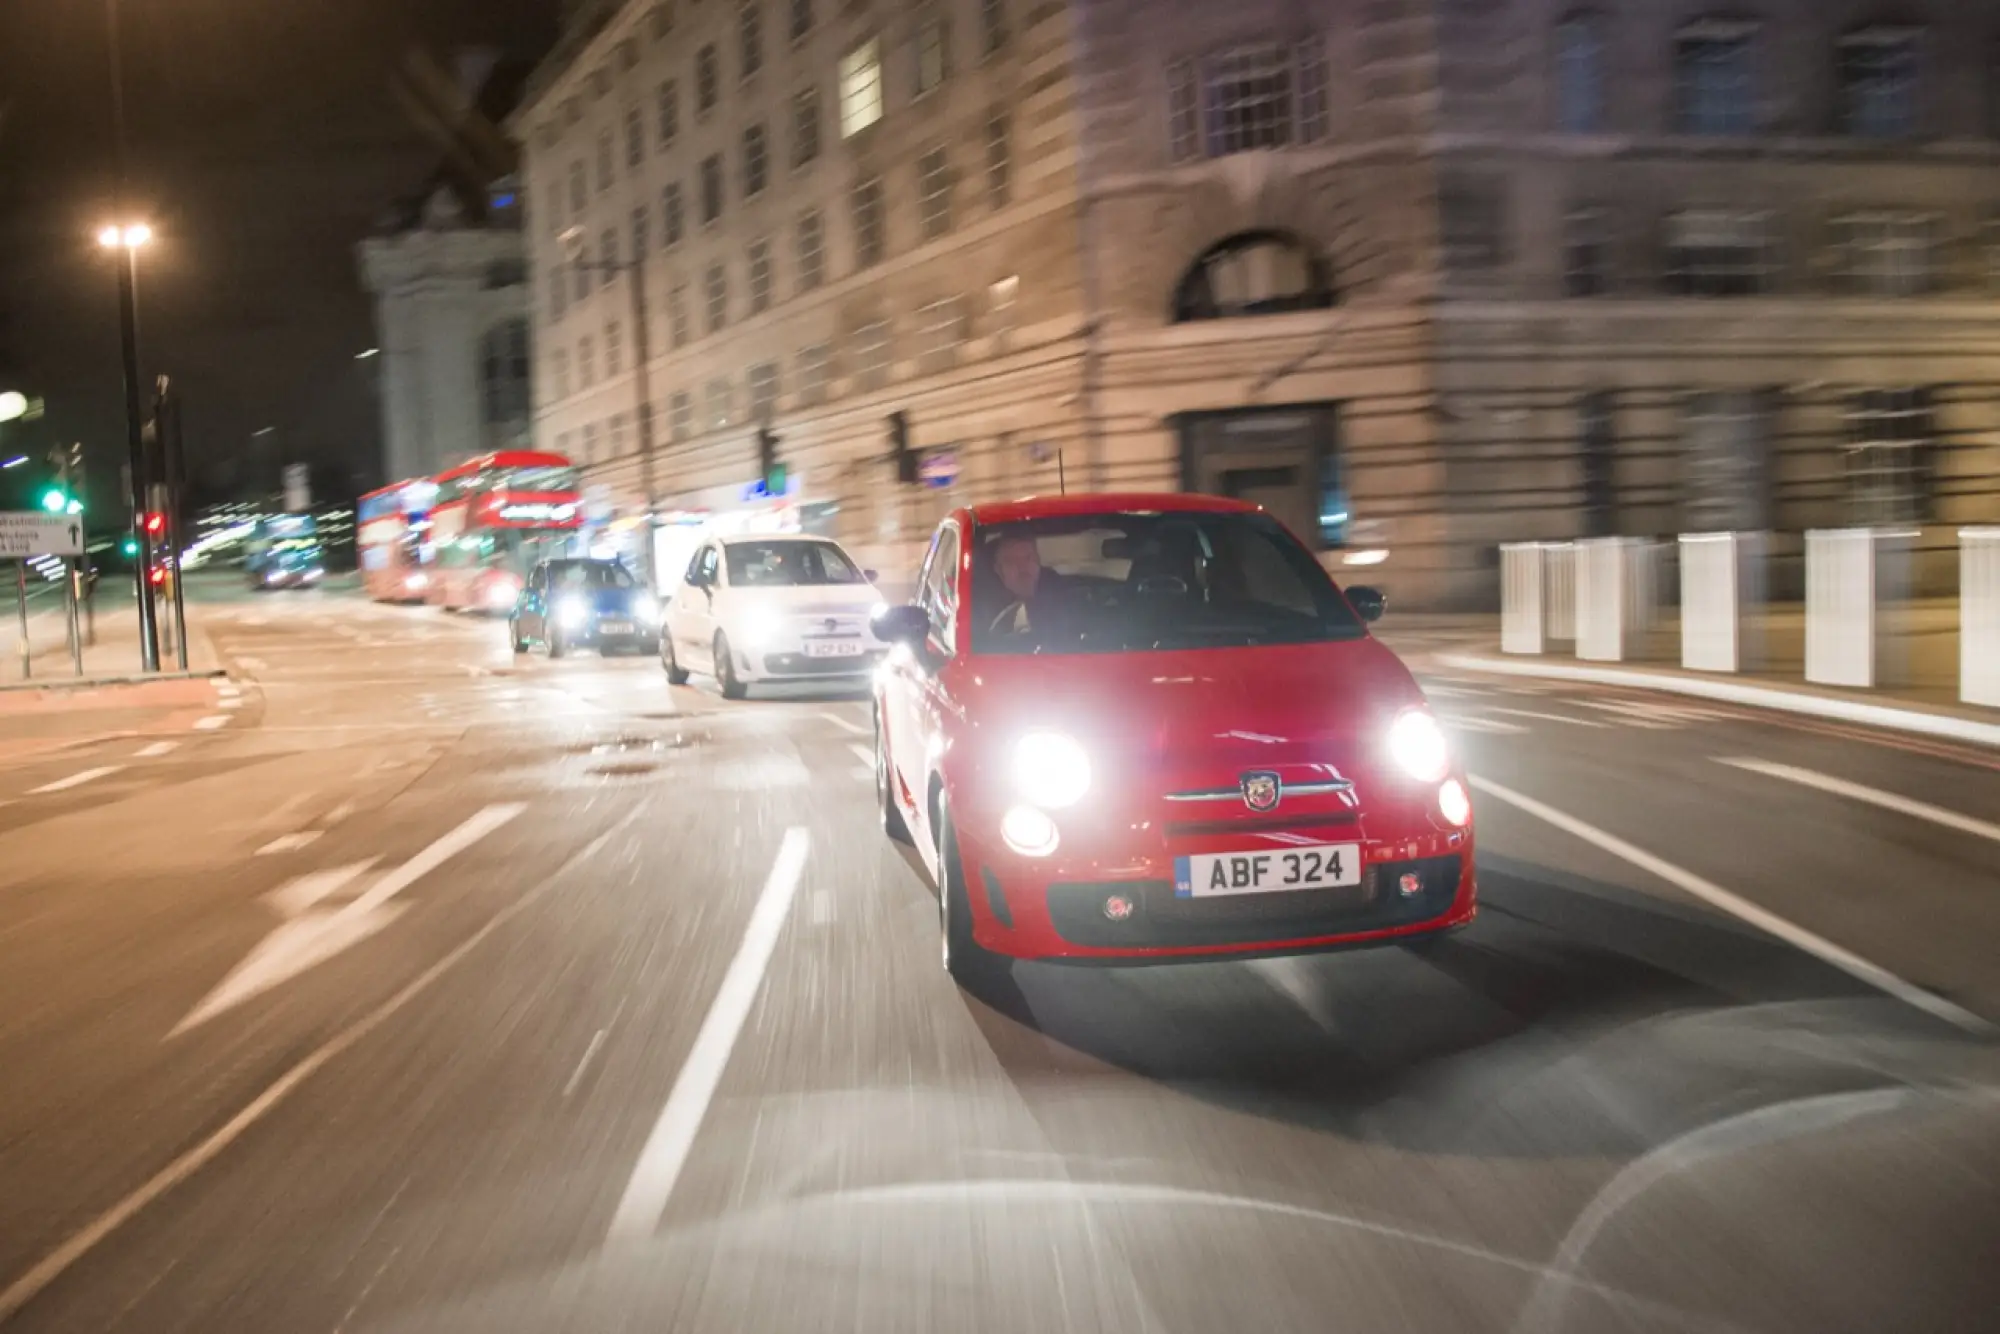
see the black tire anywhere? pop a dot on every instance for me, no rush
(964, 960)
(676, 674)
(556, 646)
(893, 823)
(514, 634)
(725, 670)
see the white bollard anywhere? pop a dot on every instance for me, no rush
(1842, 608)
(1721, 574)
(1559, 590)
(1523, 622)
(1615, 596)
(1979, 615)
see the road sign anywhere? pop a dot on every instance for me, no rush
(939, 468)
(26, 533)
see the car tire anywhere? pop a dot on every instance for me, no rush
(514, 634)
(725, 670)
(964, 960)
(893, 823)
(676, 674)
(556, 646)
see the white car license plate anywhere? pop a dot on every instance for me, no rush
(1331, 866)
(614, 627)
(833, 648)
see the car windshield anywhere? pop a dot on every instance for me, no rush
(789, 563)
(1112, 583)
(590, 574)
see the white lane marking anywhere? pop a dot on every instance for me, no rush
(576, 1076)
(666, 1151)
(227, 688)
(1547, 717)
(841, 722)
(289, 842)
(1467, 723)
(339, 813)
(863, 753)
(210, 724)
(233, 702)
(1717, 897)
(316, 936)
(1453, 692)
(75, 780)
(254, 664)
(304, 893)
(52, 1266)
(1632, 715)
(1888, 801)
(157, 749)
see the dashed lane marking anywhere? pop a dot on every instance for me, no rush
(1888, 801)
(846, 725)
(157, 749)
(75, 780)
(211, 723)
(1547, 717)
(289, 842)
(1468, 723)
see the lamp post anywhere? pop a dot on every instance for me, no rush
(129, 239)
(635, 272)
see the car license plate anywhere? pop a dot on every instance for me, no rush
(833, 648)
(614, 627)
(1332, 866)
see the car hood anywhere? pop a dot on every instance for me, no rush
(809, 599)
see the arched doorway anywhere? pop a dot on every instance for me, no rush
(1253, 273)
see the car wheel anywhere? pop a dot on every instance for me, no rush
(893, 823)
(676, 674)
(725, 670)
(514, 633)
(967, 963)
(556, 646)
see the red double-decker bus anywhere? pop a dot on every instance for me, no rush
(491, 521)
(391, 534)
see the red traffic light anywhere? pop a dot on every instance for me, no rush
(159, 574)
(156, 524)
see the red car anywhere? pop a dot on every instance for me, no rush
(1137, 728)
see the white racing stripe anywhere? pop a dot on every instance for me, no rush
(75, 780)
(1888, 801)
(1717, 897)
(666, 1151)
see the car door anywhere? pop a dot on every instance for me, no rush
(920, 710)
(694, 619)
(529, 618)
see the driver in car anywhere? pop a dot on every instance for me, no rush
(1019, 565)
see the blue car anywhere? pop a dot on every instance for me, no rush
(577, 603)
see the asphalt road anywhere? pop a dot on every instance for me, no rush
(436, 990)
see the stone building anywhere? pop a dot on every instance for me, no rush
(1420, 275)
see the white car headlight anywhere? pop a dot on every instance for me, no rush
(572, 612)
(760, 627)
(1050, 769)
(1417, 745)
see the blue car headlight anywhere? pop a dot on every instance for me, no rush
(572, 613)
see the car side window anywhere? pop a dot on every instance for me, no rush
(711, 563)
(940, 592)
(693, 575)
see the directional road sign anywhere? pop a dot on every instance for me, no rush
(26, 533)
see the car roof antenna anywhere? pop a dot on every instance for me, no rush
(1062, 483)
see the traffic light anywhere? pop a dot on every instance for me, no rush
(55, 500)
(769, 466)
(130, 546)
(156, 524)
(899, 448)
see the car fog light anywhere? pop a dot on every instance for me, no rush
(1453, 804)
(1029, 832)
(1118, 908)
(1410, 884)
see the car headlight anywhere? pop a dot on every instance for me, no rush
(1050, 769)
(572, 612)
(646, 611)
(760, 627)
(1417, 745)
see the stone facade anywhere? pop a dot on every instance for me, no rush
(1386, 202)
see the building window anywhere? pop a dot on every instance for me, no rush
(992, 25)
(1725, 464)
(1255, 273)
(719, 404)
(872, 355)
(869, 243)
(931, 48)
(607, 258)
(934, 193)
(940, 334)
(750, 34)
(677, 314)
(614, 344)
(812, 251)
(579, 190)
(715, 293)
(815, 369)
(707, 79)
(756, 161)
(999, 163)
(660, 21)
(1597, 446)
(1584, 254)
(802, 20)
(558, 294)
(590, 442)
(673, 219)
(1715, 85)
(763, 385)
(669, 113)
(559, 373)
(614, 443)
(1716, 253)
(711, 189)
(1887, 254)
(860, 87)
(1263, 95)
(586, 361)
(1002, 305)
(640, 228)
(760, 276)
(1891, 438)
(1878, 83)
(680, 415)
(635, 138)
(607, 163)
(805, 126)
(1472, 224)
(579, 282)
(1580, 74)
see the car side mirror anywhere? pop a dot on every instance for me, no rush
(1368, 603)
(872, 576)
(907, 624)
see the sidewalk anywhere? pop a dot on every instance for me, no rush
(112, 660)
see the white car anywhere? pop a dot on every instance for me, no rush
(771, 608)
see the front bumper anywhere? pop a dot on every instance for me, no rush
(798, 665)
(592, 634)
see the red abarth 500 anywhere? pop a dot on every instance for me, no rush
(1128, 729)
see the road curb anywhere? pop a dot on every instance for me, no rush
(97, 682)
(1889, 717)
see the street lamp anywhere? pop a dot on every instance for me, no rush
(131, 238)
(572, 242)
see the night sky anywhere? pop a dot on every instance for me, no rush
(267, 138)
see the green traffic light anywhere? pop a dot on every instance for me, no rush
(130, 546)
(54, 501)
